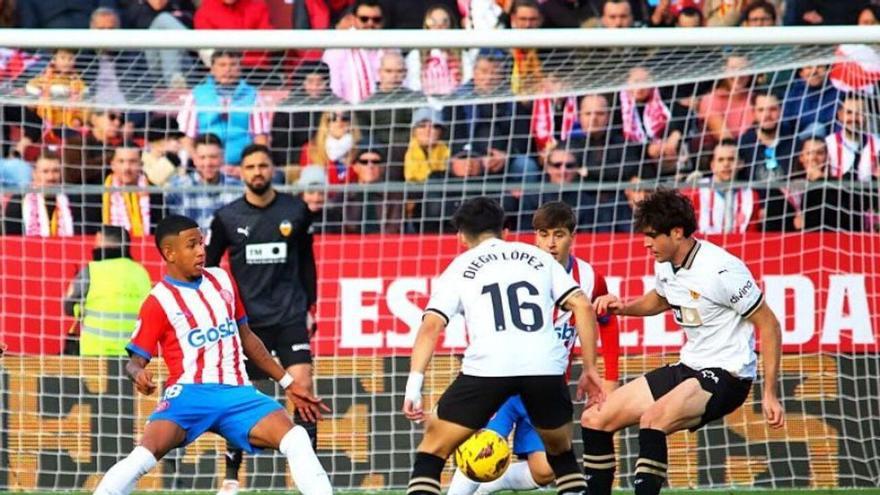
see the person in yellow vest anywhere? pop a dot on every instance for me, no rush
(105, 297)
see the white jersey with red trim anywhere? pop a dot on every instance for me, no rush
(195, 324)
(584, 274)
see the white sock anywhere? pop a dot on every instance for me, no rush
(461, 484)
(122, 477)
(306, 469)
(517, 477)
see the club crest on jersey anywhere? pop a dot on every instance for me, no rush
(285, 228)
(227, 296)
(695, 295)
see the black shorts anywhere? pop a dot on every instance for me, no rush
(470, 401)
(289, 343)
(728, 391)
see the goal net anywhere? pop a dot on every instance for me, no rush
(777, 145)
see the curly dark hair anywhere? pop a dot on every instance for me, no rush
(663, 211)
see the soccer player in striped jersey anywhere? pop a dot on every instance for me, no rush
(554, 225)
(196, 318)
(718, 304)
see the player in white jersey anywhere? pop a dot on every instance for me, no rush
(507, 292)
(195, 317)
(717, 302)
(554, 224)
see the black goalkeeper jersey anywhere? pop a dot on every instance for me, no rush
(270, 254)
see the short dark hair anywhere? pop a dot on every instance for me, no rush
(224, 53)
(758, 5)
(115, 234)
(763, 94)
(692, 12)
(172, 225)
(208, 139)
(366, 3)
(664, 210)
(478, 216)
(554, 215)
(254, 148)
(530, 4)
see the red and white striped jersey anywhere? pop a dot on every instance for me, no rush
(726, 210)
(195, 324)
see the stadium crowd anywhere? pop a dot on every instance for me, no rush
(784, 141)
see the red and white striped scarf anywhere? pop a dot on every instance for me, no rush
(543, 125)
(656, 117)
(38, 222)
(130, 210)
(441, 72)
(715, 216)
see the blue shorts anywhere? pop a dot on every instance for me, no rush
(227, 410)
(513, 414)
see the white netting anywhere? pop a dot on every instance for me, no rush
(577, 128)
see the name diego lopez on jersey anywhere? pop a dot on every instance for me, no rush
(470, 271)
(199, 337)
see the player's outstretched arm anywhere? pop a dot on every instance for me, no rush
(771, 353)
(140, 375)
(650, 304)
(310, 407)
(423, 349)
(585, 323)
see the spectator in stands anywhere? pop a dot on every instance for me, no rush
(411, 13)
(633, 194)
(291, 128)
(827, 12)
(15, 172)
(617, 14)
(869, 16)
(320, 14)
(105, 297)
(438, 71)
(136, 211)
(40, 214)
(726, 112)
(390, 126)
(374, 211)
(768, 146)
(243, 119)
(168, 15)
(427, 152)
(721, 13)
(57, 14)
(853, 148)
(759, 13)
(606, 156)
(823, 206)
(720, 207)
(312, 181)
(689, 17)
(810, 102)
(645, 119)
(567, 13)
(526, 64)
(59, 87)
(120, 76)
(200, 204)
(354, 71)
(489, 130)
(333, 145)
(85, 157)
(481, 14)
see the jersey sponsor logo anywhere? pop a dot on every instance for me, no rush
(245, 231)
(687, 317)
(199, 337)
(285, 228)
(742, 292)
(266, 253)
(566, 334)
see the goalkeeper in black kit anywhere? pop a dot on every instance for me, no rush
(267, 235)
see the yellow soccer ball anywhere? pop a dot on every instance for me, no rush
(484, 456)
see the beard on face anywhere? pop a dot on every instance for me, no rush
(259, 190)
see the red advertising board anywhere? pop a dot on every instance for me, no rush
(825, 288)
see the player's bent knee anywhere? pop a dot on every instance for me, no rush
(594, 420)
(655, 418)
